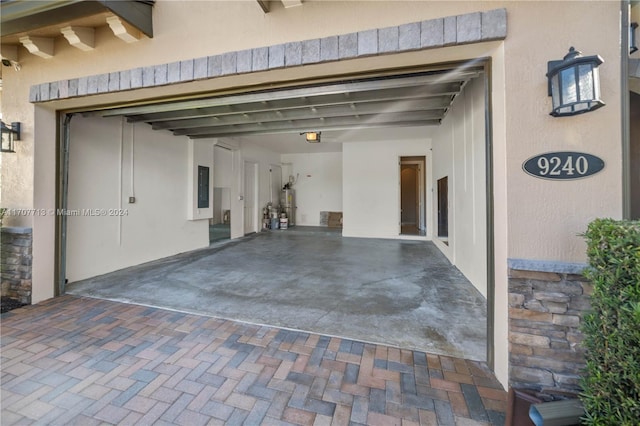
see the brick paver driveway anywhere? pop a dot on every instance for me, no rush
(84, 361)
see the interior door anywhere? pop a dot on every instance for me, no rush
(409, 195)
(250, 197)
(412, 195)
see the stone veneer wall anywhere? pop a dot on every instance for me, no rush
(545, 311)
(15, 266)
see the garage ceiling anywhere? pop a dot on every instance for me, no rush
(400, 101)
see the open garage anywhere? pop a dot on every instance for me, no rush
(401, 159)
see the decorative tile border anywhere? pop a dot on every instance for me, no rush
(547, 266)
(450, 31)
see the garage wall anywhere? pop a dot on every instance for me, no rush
(318, 186)
(222, 182)
(199, 154)
(103, 174)
(250, 151)
(371, 184)
(459, 153)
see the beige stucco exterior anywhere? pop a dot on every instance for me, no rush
(534, 219)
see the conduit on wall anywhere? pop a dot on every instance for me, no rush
(121, 172)
(121, 159)
(133, 142)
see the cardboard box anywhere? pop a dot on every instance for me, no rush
(335, 220)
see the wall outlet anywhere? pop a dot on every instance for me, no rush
(132, 200)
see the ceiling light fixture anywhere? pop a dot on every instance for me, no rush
(312, 137)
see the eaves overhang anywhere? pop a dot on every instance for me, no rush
(21, 16)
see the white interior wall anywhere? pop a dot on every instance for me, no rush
(318, 186)
(275, 177)
(222, 182)
(103, 173)
(459, 153)
(199, 153)
(252, 152)
(371, 182)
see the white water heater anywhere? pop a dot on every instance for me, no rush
(288, 204)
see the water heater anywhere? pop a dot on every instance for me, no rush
(288, 204)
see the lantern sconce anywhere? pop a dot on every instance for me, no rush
(10, 134)
(574, 84)
(633, 41)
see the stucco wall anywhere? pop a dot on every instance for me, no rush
(153, 167)
(199, 154)
(546, 217)
(318, 186)
(459, 145)
(222, 182)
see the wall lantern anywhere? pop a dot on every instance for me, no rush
(9, 136)
(633, 41)
(312, 137)
(574, 84)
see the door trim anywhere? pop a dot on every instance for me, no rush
(421, 162)
(254, 210)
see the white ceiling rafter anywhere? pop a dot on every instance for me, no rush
(401, 101)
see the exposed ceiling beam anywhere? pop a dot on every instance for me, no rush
(430, 100)
(319, 128)
(409, 100)
(418, 118)
(451, 78)
(305, 112)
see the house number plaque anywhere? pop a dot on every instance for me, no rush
(563, 165)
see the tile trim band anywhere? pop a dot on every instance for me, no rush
(456, 30)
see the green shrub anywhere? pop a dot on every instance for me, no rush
(611, 385)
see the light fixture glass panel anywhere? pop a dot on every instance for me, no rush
(581, 106)
(8, 138)
(555, 89)
(312, 137)
(585, 77)
(569, 94)
(6, 142)
(596, 87)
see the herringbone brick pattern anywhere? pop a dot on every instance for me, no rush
(80, 361)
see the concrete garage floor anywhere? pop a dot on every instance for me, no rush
(397, 292)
